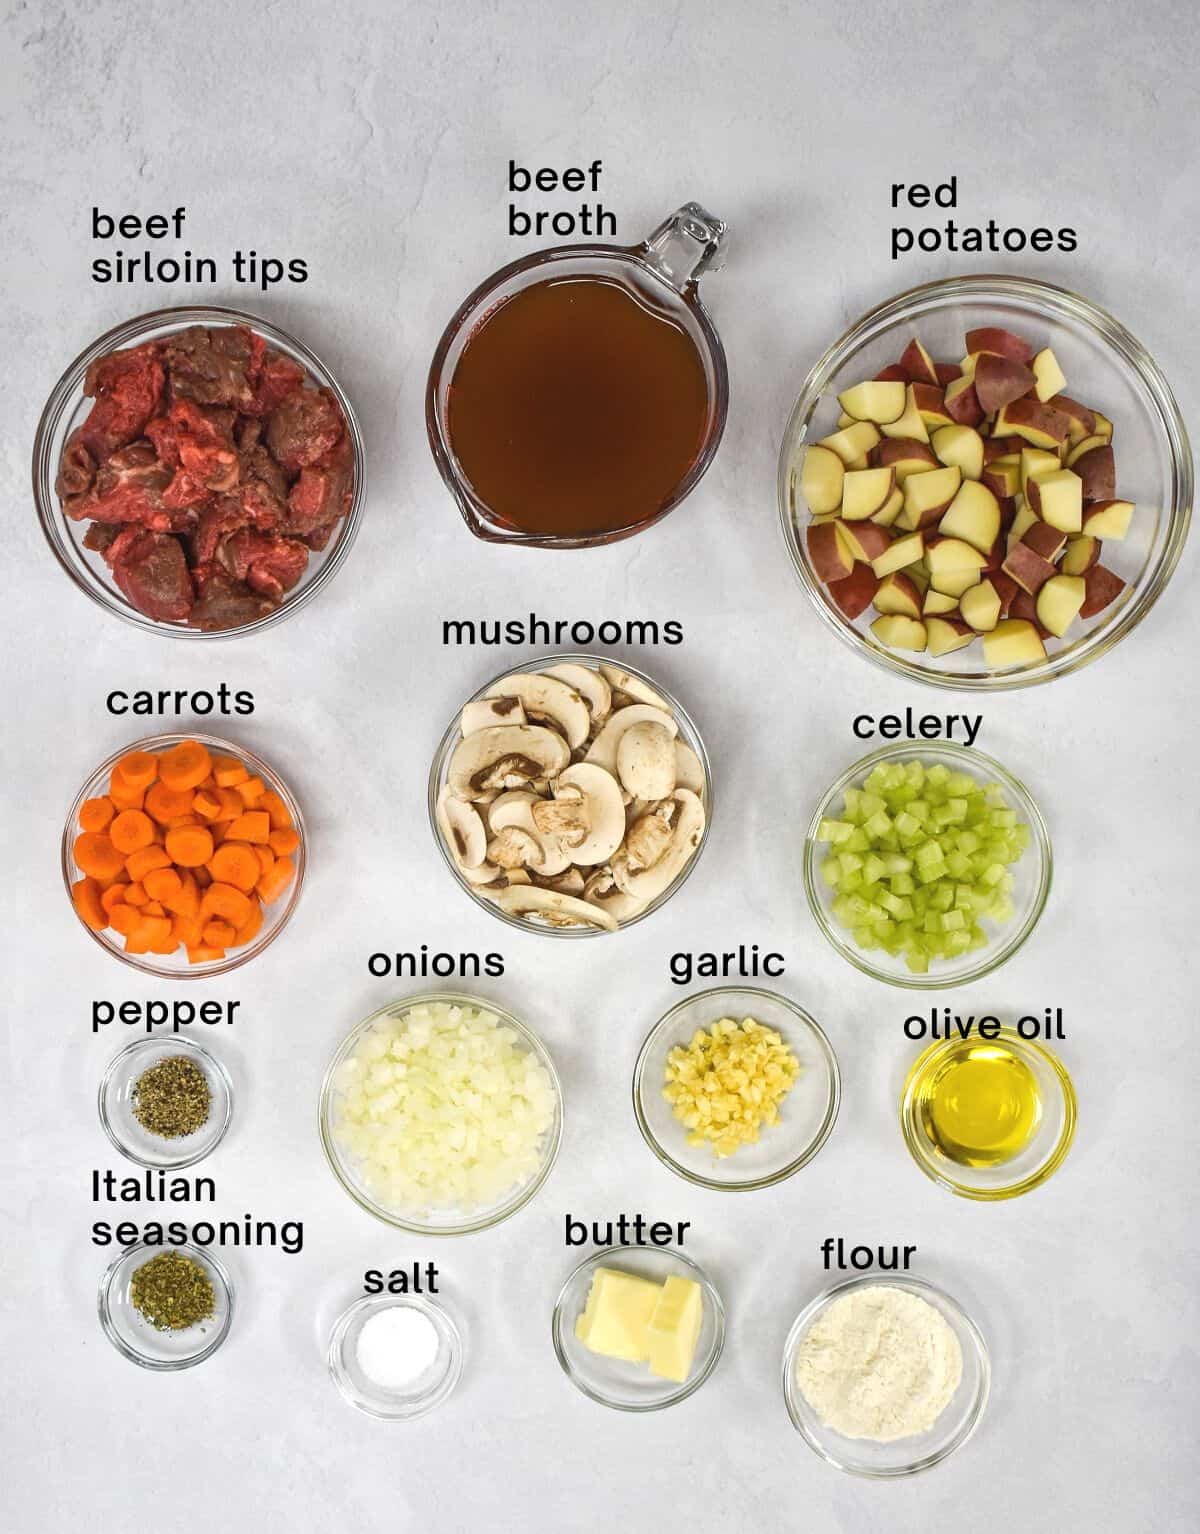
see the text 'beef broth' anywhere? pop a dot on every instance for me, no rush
(578, 407)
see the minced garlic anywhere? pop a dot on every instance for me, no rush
(727, 1083)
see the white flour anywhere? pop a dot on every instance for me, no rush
(879, 1363)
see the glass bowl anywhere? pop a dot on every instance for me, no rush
(612, 1381)
(133, 1336)
(422, 1394)
(1032, 1166)
(1031, 875)
(1105, 366)
(116, 1101)
(445, 1222)
(67, 407)
(175, 966)
(807, 1114)
(438, 775)
(904, 1456)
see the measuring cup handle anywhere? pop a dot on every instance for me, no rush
(685, 245)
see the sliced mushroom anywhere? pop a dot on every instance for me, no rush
(632, 686)
(484, 712)
(513, 848)
(604, 809)
(565, 817)
(463, 829)
(568, 883)
(646, 761)
(546, 698)
(689, 773)
(557, 909)
(601, 889)
(648, 881)
(603, 750)
(589, 684)
(514, 813)
(505, 756)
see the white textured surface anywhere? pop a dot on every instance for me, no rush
(372, 140)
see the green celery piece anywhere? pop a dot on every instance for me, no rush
(834, 831)
(857, 841)
(917, 962)
(874, 868)
(830, 871)
(878, 825)
(929, 852)
(902, 884)
(953, 921)
(942, 898)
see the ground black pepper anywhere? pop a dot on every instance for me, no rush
(172, 1099)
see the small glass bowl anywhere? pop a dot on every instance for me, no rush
(439, 771)
(175, 966)
(133, 1336)
(449, 1222)
(66, 409)
(1037, 1162)
(904, 1456)
(807, 1114)
(1105, 367)
(612, 1381)
(116, 1100)
(425, 1392)
(1031, 876)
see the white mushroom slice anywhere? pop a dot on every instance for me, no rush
(463, 830)
(505, 756)
(632, 686)
(484, 712)
(514, 813)
(648, 882)
(604, 808)
(601, 889)
(553, 907)
(515, 876)
(603, 750)
(569, 883)
(486, 873)
(546, 698)
(689, 772)
(565, 817)
(590, 686)
(513, 848)
(646, 761)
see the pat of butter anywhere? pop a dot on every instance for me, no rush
(674, 1329)
(615, 1320)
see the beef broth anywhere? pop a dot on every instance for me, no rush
(578, 407)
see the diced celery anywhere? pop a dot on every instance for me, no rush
(834, 831)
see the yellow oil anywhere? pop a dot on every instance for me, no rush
(978, 1103)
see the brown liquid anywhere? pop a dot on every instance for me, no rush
(577, 407)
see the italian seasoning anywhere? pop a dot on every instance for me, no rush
(173, 1292)
(172, 1099)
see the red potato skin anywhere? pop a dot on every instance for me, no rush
(1101, 587)
(1003, 343)
(917, 365)
(867, 540)
(963, 406)
(1027, 567)
(1031, 412)
(1002, 447)
(1006, 589)
(856, 592)
(1098, 471)
(1045, 540)
(999, 381)
(893, 373)
(829, 557)
(907, 589)
(947, 372)
(1085, 420)
(900, 450)
(1025, 606)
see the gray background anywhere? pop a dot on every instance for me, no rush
(372, 140)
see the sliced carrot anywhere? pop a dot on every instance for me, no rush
(96, 855)
(123, 795)
(189, 846)
(161, 883)
(153, 908)
(135, 894)
(138, 768)
(167, 804)
(131, 831)
(202, 877)
(152, 930)
(167, 943)
(206, 804)
(225, 901)
(186, 930)
(284, 842)
(138, 864)
(232, 804)
(186, 899)
(124, 918)
(218, 933)
(95, 814)
(201, 953)
(235, 863)
(113, 896)
(265, 858)
(253, 826)
(185, 765)
(251, 791)
(228, 771)
(250, 929)
(85, 893)
(281, 816)
(277, 878)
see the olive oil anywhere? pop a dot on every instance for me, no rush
(977, 1103)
